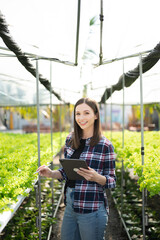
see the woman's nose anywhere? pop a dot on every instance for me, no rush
(81, 116)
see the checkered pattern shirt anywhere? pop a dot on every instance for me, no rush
(90, 195)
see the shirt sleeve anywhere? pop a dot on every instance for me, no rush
(64, 176)
(109, 167)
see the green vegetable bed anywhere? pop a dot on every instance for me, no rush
(19, 160)
(149, 173)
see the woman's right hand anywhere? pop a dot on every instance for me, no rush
(44, 171)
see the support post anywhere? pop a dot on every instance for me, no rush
(60, 127)
(51, 119)
(122, 168)
(77, 35)
(142, 143)
(105, 111)
(101, 32)
(111, 114)
(38, 140)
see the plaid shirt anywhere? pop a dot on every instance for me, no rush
(88, 195)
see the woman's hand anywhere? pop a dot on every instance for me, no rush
(91, 175)
(44, 171)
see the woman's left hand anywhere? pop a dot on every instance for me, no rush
(89, 174)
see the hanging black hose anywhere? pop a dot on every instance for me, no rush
(24, 60)
(147, 63)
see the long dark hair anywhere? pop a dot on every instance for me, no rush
(77, 134)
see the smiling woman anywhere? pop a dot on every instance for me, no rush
(86, 200)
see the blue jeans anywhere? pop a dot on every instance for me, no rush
(88, 226)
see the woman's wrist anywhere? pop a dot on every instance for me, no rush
(101, 179)
(52, 174)
(55, 174)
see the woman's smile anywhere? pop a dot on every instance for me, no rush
(82, 123)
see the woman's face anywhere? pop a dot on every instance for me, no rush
(85, 117)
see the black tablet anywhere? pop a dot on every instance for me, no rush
(71, 167)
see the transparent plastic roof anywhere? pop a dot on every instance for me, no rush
(50, 28)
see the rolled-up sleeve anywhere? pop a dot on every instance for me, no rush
(109, 167)
(64, 176)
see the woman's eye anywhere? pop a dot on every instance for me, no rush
(77, 114)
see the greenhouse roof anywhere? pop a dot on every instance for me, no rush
(50, 29)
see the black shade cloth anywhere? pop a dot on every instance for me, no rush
(24, 60)
(129, 78)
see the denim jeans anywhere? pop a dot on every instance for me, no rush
(88, 226)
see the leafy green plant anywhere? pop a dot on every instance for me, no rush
(19, 160)
(149, 173)
(23, 224)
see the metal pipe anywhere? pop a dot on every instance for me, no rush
(73, 64)
(123, 84)
(111, 113)
(38, 139)
(51, 119)
(101, 32)
(60, 127)
(77, 35)
(105, 110)
(122, 168)
(34, 56)
(142, 143)
(121, 58)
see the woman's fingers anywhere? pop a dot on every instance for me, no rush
(88, 174)
(44, 171)
(40, 168)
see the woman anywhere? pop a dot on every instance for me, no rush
(86, 212)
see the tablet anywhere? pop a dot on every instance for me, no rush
(71, 167)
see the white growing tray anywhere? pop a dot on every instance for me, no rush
(6, 216)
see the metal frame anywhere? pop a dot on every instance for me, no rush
(39, 161)
(37, 58)
(38, 192)
(101, 62)
(142, 144)
(144, 195)
(101, 32)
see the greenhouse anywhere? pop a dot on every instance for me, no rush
(52, 54)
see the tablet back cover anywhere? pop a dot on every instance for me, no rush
(71, 165)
